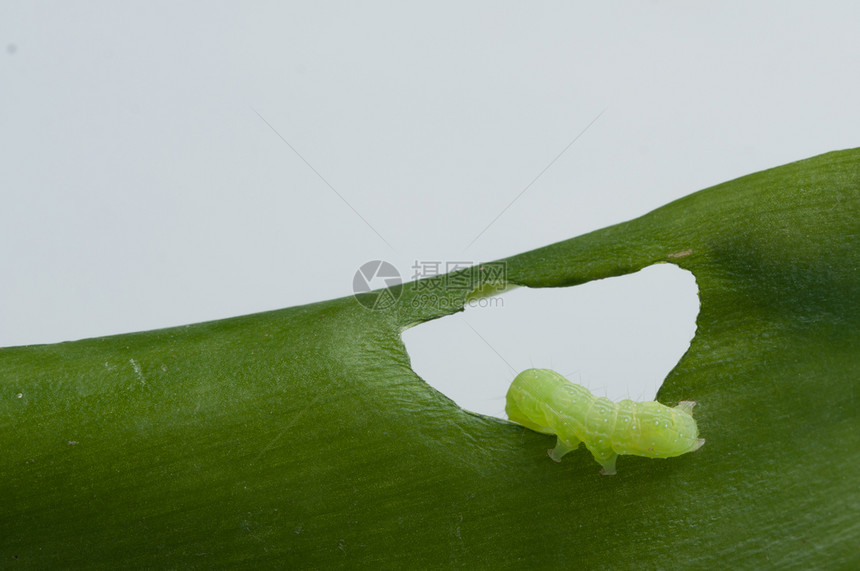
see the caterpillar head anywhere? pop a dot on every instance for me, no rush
(526, 402)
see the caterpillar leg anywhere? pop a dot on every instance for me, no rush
(562, 448)
(608, 464)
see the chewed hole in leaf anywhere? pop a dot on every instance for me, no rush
(620, 337)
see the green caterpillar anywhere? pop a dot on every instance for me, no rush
(544, 401)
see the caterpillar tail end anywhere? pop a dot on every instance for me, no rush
(686, 406)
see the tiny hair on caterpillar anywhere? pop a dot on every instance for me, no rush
(546, 402)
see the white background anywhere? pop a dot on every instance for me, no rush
(140, 188)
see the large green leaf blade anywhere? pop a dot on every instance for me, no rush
(302, 436)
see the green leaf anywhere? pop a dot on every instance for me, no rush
(302, 437)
